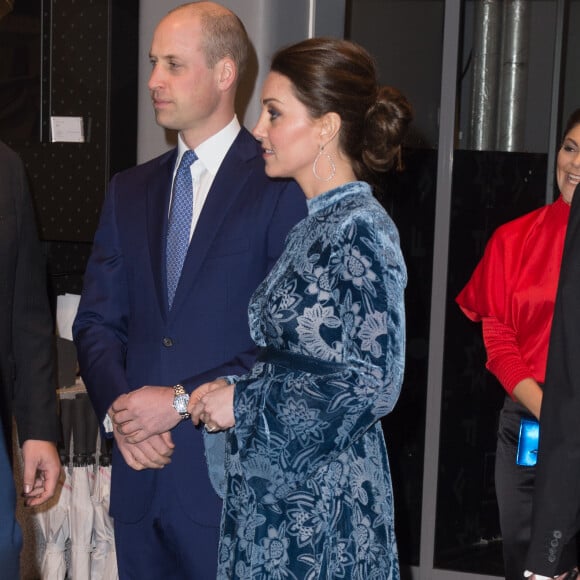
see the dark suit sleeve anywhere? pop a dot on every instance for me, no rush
(557, 489)
(34, 399)
(100, 327)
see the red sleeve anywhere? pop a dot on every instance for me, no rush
(504, 359)
(486, 292)
(483, 299)
(512, 291)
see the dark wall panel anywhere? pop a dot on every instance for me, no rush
(89, 70)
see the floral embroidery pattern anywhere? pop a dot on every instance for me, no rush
(308, 483)
(357, 269)
(310, 327)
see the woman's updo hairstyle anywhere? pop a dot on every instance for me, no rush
(332, 75)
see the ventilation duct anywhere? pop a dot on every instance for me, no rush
(500, 74)
(515, 49)
(485, 58)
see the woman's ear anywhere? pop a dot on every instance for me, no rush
(329, 127)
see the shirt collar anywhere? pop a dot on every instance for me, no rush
(213, 150)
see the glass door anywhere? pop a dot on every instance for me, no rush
(491, 84)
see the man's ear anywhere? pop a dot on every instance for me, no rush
(227, 72)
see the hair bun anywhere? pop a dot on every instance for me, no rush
(386, 125)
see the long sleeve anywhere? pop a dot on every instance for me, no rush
(100, 327)
(33, 353)
(344, 304)
(504, 357)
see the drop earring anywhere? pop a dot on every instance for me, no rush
(330, 162)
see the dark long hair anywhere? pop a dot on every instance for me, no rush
(573, 120)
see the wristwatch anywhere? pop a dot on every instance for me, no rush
(180, 401)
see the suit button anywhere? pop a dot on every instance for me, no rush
(167, 341)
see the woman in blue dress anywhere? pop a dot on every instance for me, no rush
(307, 492)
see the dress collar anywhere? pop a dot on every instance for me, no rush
(335, 195)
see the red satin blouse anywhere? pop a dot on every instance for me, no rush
(512, 292)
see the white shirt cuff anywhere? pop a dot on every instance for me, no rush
(108, 424)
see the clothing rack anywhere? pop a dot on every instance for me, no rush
(74, 529)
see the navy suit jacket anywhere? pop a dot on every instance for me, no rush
(124, 333)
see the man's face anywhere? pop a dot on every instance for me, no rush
(183, 89)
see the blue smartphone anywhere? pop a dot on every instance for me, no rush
(528, 442)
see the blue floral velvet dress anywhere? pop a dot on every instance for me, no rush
(308, 487)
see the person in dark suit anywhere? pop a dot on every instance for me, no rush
(27, 387)
(143, 344)
(556, 502)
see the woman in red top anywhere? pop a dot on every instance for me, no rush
(512, 293)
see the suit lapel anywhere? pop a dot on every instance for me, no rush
(227, 186)
(158, 195)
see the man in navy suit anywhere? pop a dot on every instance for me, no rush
(140, 357)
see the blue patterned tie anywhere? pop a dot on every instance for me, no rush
(179, 223)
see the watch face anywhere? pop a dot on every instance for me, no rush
(180, 403)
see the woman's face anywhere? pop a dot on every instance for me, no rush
(568, 164)
(289, 135)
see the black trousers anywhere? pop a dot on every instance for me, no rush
(514, 486)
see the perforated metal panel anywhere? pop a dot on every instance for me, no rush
(68, 182)
(69, 178)
(89, 71)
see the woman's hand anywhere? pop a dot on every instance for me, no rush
(213, 404)
(529, 393)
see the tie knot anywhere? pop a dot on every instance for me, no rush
(188, 158)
